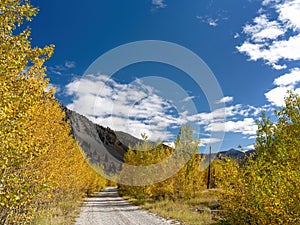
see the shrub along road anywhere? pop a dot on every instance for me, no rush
(108, 208)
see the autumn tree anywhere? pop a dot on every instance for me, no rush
(40, 161)
(265, 189)
(184, 184)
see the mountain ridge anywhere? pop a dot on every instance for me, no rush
(106, 147)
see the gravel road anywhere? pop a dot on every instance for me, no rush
(107, 208)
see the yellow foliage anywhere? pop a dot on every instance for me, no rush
(186, 183)
(40, 162)
(265, 190)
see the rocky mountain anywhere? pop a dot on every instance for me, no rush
(100, 144)
(127, 139)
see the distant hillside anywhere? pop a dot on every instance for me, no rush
(233, 153)
(107, 147)
(127, 139)
(101, 145)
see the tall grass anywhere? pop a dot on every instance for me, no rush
(193, 211)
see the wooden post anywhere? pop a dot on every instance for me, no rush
(208, 174)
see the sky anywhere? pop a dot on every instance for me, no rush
(251, 47)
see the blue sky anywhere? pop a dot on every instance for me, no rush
(252, 47)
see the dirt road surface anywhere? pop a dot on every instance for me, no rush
(108, 208)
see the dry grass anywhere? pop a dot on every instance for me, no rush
(195, 211)
(63, 213)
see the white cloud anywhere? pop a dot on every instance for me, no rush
(208, 141)
(267, 2)
(249, 147)
(240, 119)
(284, 83)
(137, 108)
(159, 3)
(273, 40)
(279, 67)
(284, 49)
(288, 79)
(263, 29)
(134, 108)
(232, 111)
(216, 115)
(276, 96)
(289, 13)
(225, 99)
(247, 126)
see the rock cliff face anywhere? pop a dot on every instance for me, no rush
(101, 145)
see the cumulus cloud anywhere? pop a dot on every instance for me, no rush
(276, 95)
(289, 13)
(274, 36)
(208, 141)
(291, 78)
(240, 119)
(272, 53)
(226, 99)
(267, 2)
(133, 108)
(273, 40)
(284, 83)
(137, 108)
(247, 126)
(263, 29)
(279, 67)
(205, 118)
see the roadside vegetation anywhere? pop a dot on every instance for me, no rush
(43, 172)
(262, 189)
(183, 196)
(265, 189)
(196, 211)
